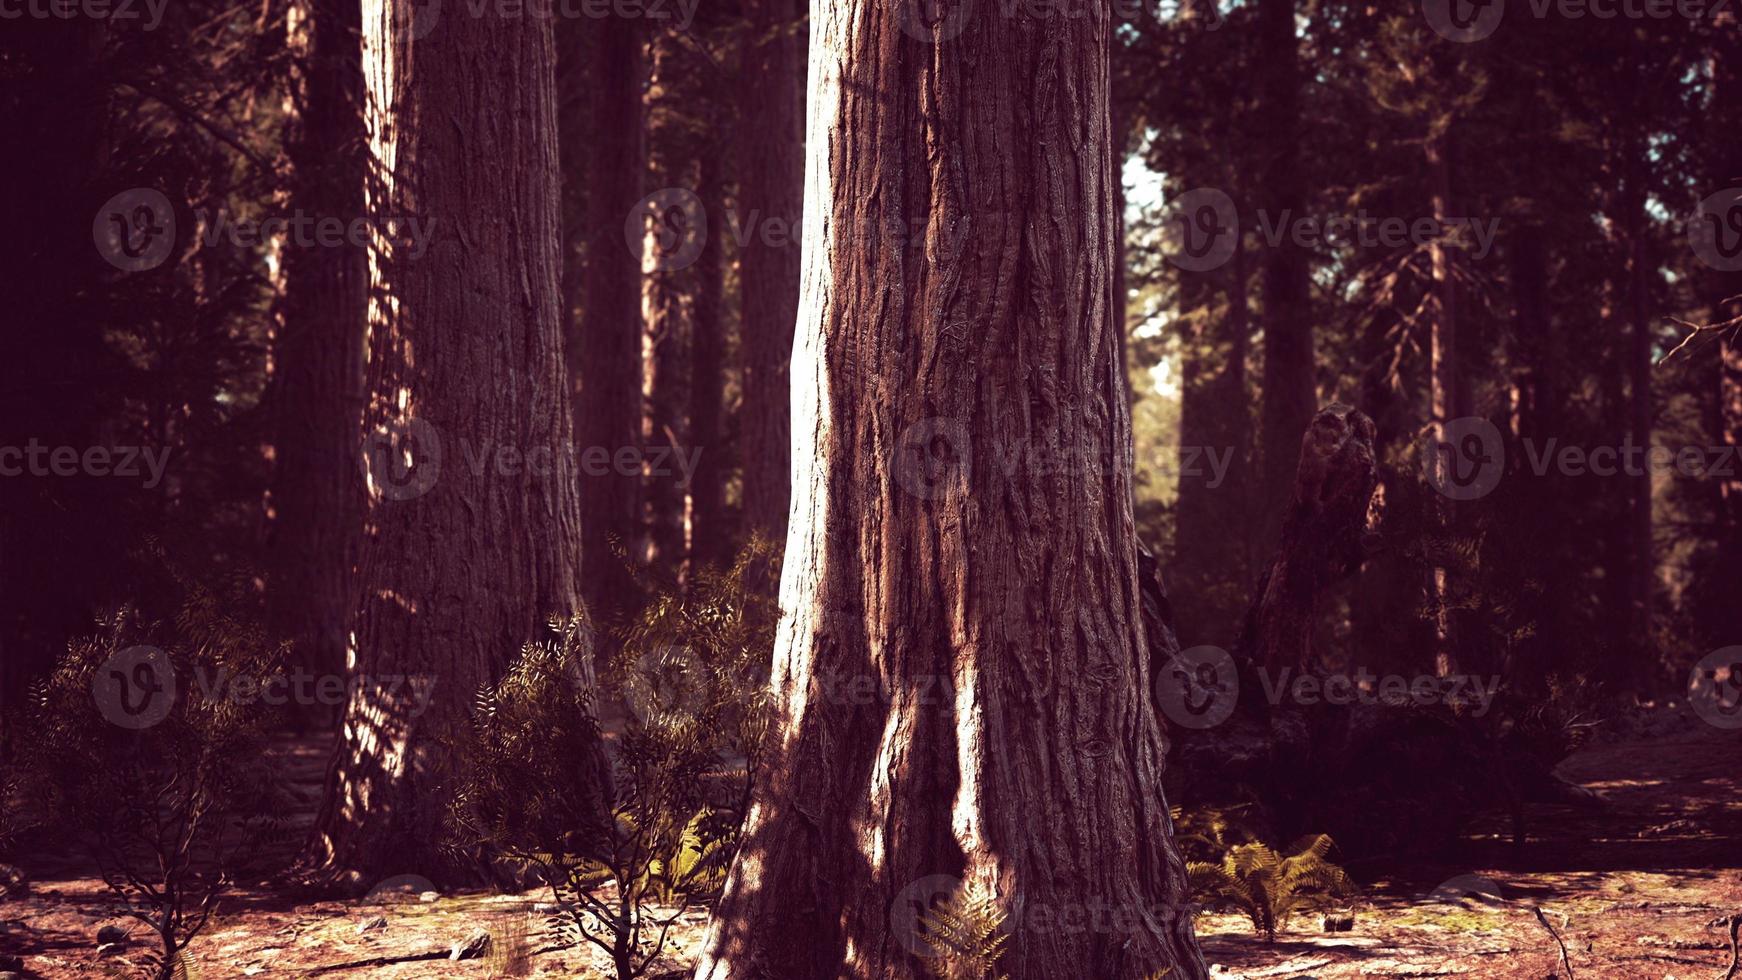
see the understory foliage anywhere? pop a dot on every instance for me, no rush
(966, 934)
(175, 811)
(628, 846)
(1228, 865)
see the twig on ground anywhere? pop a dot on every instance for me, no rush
(1566, 964)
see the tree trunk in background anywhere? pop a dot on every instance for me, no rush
(706, 508)
(1290, 391)
(1013, 744)
(1642, 568)
(317, 379)
(466, 358)
(1211, 565)
(662, 323)
(609, 357)
(1444, 404)
(770, 147)
(1538, 416)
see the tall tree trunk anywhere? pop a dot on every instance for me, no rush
(609, 353)
(317, 378)
(707, 532)
(663, 312)
(1444, 404)
(1290, 392)
(1014, 746)
(770, 145)
(1642, 577)
(467, 561)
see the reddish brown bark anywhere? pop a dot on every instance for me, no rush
(992, 612)
(466, 562)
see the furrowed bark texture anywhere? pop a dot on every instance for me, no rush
(465, 353)
(991, 608)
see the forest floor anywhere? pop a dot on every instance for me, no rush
(1632, 889)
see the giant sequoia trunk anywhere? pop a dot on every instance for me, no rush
(961, 674)
(317, 382)
(770, 143)
(467, 560)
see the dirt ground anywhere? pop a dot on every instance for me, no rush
(1632, 889)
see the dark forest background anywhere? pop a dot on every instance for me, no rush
(1588, 143)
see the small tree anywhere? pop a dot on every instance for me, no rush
(529, 794)
(172, 804)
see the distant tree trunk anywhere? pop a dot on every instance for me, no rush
(1539, 358)
(1290, 388)
(1642, 577)
(1444, 404)
(609, 354)
(1321, 538)
(317, 377)
(1211, 565)
(467, 561)
(707, 532)
(663, 330)
(994, 609)
(770, 144)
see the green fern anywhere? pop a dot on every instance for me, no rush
(1268, 887)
